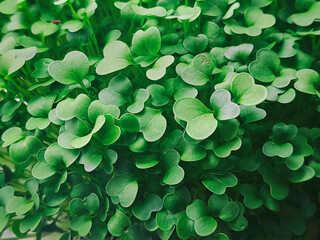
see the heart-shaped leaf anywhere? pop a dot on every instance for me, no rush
(266, 67)
(43, 28)
(42, 68)
(200, 71)
(173, 172)
(308, 81)
(55, 155)
(117, 223)
(218, 183)
(11, 136)
(117, 56)
(109, 132)
(272, 149)
(71, 70)
(197, 44)
(158, 95)
(9, 63)
(30, 222)
(239, 53)
(80, 142)
(140, 96)
(158, 70)
(124, 187)
(201, 122)
(222, 106)
(146, 161)
(97, 108)
(81, 224)
(90, 158)
(245, 91)
(213, 8)
(22, 151)
(70, 108)
(251, 198)
(42, 169)
(119, 87)
(306, 18)
(143, 210)
(152, 124)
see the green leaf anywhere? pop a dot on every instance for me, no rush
(218, 183)
(229, 212)
(71, 70)
(158, 70)
(41, 123)
(146, 43)
(197, 209)
(185, 13)
(116, 94)
(306, 18)
(239, 53)
(8, 6)
(146, 161)
(70, 108)
(72, 25)
(81, 224)
(199, 72)
(4, 218)
(43, 28)
(152, 124)
(205, 226)
(143, 210)
(140, 96)
(11, 136)
(41, 68)
(251, 199)
(55, 155)
(124, 187)
(222, 106)
(117, 223)
(9, 63)
(40, 106)
(201, 122)
(245, 91)
(90, 158)
(158, 95)
(308, 81)
(19, 206)
(196, 45)
(22, 151)
(305, 173)
(80, 142)
(42, 169)
(266, 67)
(272, 149)
(117, 56)
(150, 12)
(30, 222)
(251, 114)
(255, 21)
(213, 8)
(109, 132)
(185, 227)
(173, 173)
(97, 108)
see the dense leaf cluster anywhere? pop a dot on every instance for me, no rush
(167, 119)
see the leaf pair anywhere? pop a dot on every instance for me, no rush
(201, 121)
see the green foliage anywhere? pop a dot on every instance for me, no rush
(167, 119)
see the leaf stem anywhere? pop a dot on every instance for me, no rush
(186, 2)
(185, 28)
(84, 87)
(73, 12)
(95, 41)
